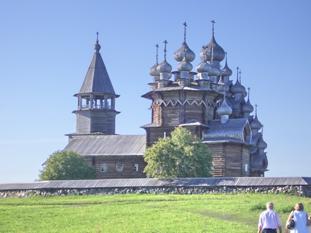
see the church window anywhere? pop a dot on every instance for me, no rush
(136, 167)
(108, 103)
(246, 168)
(119, 167)
(103, 167)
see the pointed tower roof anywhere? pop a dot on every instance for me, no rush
(97, 80)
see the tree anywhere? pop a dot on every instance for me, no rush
(180, 155)
(66, 165)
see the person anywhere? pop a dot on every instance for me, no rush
(300, 218)
(269, 220)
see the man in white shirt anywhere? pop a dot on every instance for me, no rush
(269, 220)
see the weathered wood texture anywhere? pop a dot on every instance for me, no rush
(230, 159)
(91, 121)
(118, 166)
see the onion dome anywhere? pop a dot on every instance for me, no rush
(226, 71)
(203, 67)
(224, 109)
(262, 144)
(184, 52)
(248, 107)
(184, 56)
(238, 88)
(256, 124)
(213, 49)
(184, 66)
(164, 66)
(214, 71)
(153, 70)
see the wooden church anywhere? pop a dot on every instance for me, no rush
(204, 100)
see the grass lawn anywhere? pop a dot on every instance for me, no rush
(140, 213)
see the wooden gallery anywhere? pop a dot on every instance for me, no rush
(205, 101)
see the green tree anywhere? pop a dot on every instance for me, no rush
(66, 165)
(180, 155)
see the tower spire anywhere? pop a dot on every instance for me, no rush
(97, 45)
(213, 27)
(248, 93)
(256, 110)
(185, 31)
(165, 43)
(237, 74)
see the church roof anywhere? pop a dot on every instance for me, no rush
(231, 131)
(107, 145)
(215, 88)
(97, 79)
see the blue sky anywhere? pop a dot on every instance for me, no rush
(46, 47)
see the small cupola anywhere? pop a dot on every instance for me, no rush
(153, 70)
(224, 110)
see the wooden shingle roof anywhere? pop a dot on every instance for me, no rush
(107, 145)
(97, 79)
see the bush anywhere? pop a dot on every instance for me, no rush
(180, 155)
(66, 165)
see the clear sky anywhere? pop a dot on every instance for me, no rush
(46, 47)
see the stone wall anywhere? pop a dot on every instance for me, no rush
(300, 186)
(293, 190)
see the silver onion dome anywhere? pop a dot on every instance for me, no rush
(164, 67)
(213, 49)
(153, 70)
(184, 65)
(226, 71)
(203, 67)
(256, 124)
(247, 107)
(238, 88)
(214, 71)
(262, 144)
(184, 52)
(224, 108)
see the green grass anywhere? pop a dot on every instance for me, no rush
(140, 213)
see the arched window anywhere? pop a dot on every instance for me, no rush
(104, 168)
